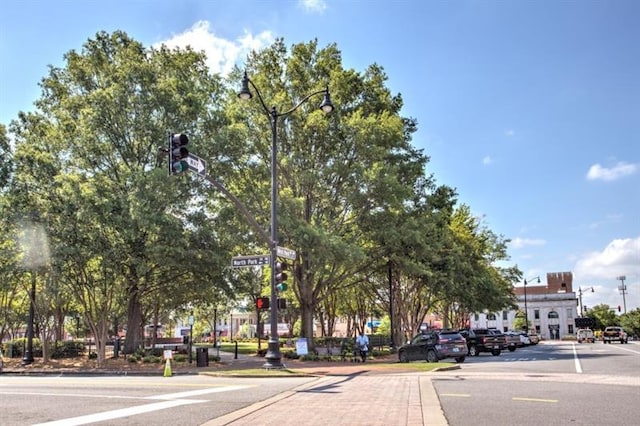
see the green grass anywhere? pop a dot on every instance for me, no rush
(244, 348)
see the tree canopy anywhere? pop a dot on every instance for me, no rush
(130, 244)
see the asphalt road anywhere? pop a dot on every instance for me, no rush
(132, 400)
(551, 383)
(555, 384)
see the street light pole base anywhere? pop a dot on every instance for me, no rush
(273, 356)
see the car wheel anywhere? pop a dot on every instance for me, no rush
(473, 351)
(512, 348)
(495, 352)
(460, 359)
(402, 355)
(431, 356)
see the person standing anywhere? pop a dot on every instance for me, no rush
(362, 343)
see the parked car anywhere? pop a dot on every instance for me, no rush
(520, 339)
(433, 346)
(483, 340)
(534, 339)
(513, 340)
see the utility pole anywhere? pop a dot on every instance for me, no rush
(623, 290)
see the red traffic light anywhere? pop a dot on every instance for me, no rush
(262, 303)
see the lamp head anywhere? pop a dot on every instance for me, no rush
(245, 93)
(326, 106)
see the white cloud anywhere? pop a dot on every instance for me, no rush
(619, 257)
(601, 269)
(487, 160)
(523, 242)
(318, 6)
(621, 169)
(222, 54)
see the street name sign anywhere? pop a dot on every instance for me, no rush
(197, 164)
(287, 253)
(247, 261)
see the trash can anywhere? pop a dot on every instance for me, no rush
(202, 357)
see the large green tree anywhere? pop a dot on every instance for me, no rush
(336, 172)
(88, 160)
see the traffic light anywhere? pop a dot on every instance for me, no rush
(281, 276)
(282, 303)
(262, 303)
(178, 153)
(619, 308)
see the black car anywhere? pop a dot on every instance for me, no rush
(432, 346)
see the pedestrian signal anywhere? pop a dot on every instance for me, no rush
(262, 303)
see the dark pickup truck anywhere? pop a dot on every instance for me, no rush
(483, 340)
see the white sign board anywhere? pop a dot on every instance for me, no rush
(287, 253)
(168, 354)
(301, 346)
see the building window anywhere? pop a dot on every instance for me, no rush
(537, 329)
(553, 315)
(570, 328)
(505, 329)
(505, 316)
(491, 317)
(475, 317)
(569, 312)
(536, 314)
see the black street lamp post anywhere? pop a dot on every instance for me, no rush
(526, 311)
(273, 356)
(28, 353)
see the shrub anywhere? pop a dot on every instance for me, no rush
(290, 354)
(67, 349)
(151, 359)
(309, 357)
(180, 358)
(157, 352)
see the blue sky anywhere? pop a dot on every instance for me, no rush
(530, 109)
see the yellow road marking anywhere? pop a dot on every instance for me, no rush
(515, 398)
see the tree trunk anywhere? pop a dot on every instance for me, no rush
(134, 336)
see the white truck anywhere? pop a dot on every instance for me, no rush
(585, 335)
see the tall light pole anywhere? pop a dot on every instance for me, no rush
(623, 290)
(580, 296)
(28, 353)
(526, 312)
(273, 355)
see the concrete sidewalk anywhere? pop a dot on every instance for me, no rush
(362, 399)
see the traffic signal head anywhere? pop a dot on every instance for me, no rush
(178, 153)
(619, 308)
(262, 303)
(281, 276)
(282, 303)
